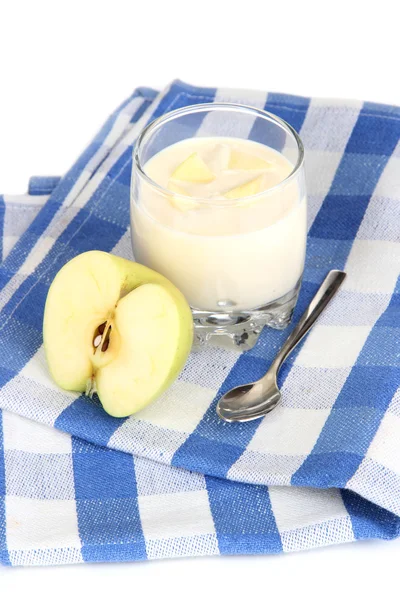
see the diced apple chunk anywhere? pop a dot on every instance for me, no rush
(243, 160)
(247, 189)
(184, 204)
(193, 169)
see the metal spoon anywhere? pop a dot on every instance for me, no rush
(254, 400)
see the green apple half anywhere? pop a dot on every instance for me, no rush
(115, 327)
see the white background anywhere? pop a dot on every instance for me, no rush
(64, 66)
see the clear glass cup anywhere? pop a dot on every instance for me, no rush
(238, 262)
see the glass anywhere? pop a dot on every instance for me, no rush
(238, 262)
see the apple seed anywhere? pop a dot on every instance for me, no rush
(96, 341)
(98, 334)
(106, 340)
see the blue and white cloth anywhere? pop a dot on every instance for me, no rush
(78, 485)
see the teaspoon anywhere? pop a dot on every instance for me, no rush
(254, 400)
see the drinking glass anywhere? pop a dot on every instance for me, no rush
(239, 263)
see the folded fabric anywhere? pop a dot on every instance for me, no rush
(329, 454)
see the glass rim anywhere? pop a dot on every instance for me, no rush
(205, 107)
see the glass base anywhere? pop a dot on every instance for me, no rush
(241, 330)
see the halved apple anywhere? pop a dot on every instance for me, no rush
(193, 169)
(243, 160)
(115, 327)
(247, 189)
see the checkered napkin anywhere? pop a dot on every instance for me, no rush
(324, 467)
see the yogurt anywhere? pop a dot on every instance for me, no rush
(223, 249)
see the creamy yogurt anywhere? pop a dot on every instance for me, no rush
(219, 251)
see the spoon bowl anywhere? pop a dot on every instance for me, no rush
(244, 402)
(253, 400)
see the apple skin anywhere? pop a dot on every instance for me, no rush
(84, 294)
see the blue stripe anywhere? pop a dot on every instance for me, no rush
(376, 132)
(2, 215)
(383, 110)
(4, 558)
(322, 256)
(107, 505)
(340, 219)
(39, 186)
(84, 410)
(198, 94)
(243, 518)
(180, 95)
(292, 109)
(391, 316)
(146, 92)
(369, 520)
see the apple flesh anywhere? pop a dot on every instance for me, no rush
(181, 202)
(115, 327)
(193, 169)
(243, 160)
(247, 189)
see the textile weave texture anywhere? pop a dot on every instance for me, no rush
(77, 485)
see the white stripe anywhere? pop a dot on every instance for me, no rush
(255, 98)
(43, 247)
(38, 200)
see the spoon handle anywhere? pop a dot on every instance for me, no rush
(328, 289)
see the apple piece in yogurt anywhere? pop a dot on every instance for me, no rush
(182, 202)
(246, 161)
(247, 189)
(194, 170)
